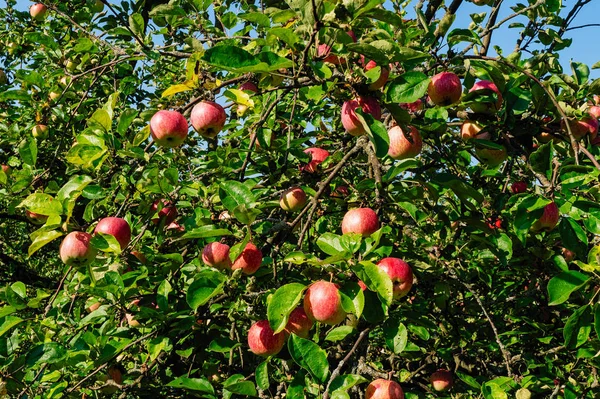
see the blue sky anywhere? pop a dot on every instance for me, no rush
(585, 47)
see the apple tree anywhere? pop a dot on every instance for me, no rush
(297, 199)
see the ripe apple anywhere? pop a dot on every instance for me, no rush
(594, 111)
(384, 389)
(3, 78)
(249, 260)
(249, 86)
(518, 187)
(262, 341)
(400, 273)
(340, 192)
(38, 11)
(549, 218)
(293, 199)
(494, 222)
(208, 118)
(568, 254)
(401, 146)
(140, 256)
(486, 108)
(441, 380)
(324, 52)
(445, 89)
(216, 255)
(323, 303)
(168, 212)
(580, 128)
(6, 169)
(470, 130)
(414, 106)
(168, 128)
(116, 227)
(40, 132)
(97, 6)
(383, 76)
(490, 156)
(350, 121)
(318, 156)
(299, 323)
(76, 249)
(362, 221)
(36, 218)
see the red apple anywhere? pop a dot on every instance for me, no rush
(299, 323)
(293, 199)
(262, 341)
(568, 254)
(596, 99)
(318, 155)
(216, 255)
(323, 303)
(384, 389)
(249, 86)
(350, 121)
(249, 260)
(445, 89)
(414, 106)
(168, 212)
(470, 130)
(441, 380)
(362, 221)
(6, 169)
(580, 128)
(140, 256)
(400, 273)
(594, 111)
(490, 156)
(36, 218)
(168, 128)
(208, 118)
(40, 131)
(76, 249)
(494, 222)
(38, 11)
(486, 108)
(116, 227)
(324, 52)
(383, 76)
(401, 146)
(340, 192)
(518, 187)
(549, 218)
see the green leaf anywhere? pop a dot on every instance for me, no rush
(41, 203)
(106, 243)
(297, 386)
(562, 286)
(377, 133)
(353, 299)
(346, 381)
(309, 356)
(541, 159)
(234, 193)
(287, 35)
(28, 150)
(572, 327)
(262, 376)
(493, 391)
(236, 59)
(102, 119)
(222, 345)
(125, 120)
(206, 285)
(396, 335)
(178, 88)
(463, 35)
(573, 236)
(7, 323)
(376, 280)
(340, 333)
(49, 352)
(330, 244)
(206, 231)
(597, 319)
(282, 303)
(167, 9)
(467, 379)
(408, 87)
(136, 23)
(41, 239)
(192, 384)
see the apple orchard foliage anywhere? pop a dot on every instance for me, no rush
(497, 218)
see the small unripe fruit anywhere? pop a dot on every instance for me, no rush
(445, 89)
(40, 132)
(216, 254)
(262, 341)
(549, 218)
(249, 260)
(97, 6)
(491, 156)
(362, 221)
(249, 86)
(471, 130)
(168, 212)
(293, 200)
(383, 76)
(36, 218)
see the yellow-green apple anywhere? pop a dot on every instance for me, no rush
(362, 221)
(549, 218)
(384, 389)
(40, 132)
(38, 11)
(400, 273)
(403, 145)
(491, 156)
(263, 341)
(116, 227)
(384, 75)
(208, 118)
(36, 218)
(3, 78)
(168, 128)
(318, 156)
(293, 199)
(249, 260)
(445, 88)
(97, 6)
(518, 187)
(76, 249)
(299, 323)
(484, 107)
(441, 380)
(350, 121)
(323, 303)
(471, 130)
(216, 254)
(167, 213)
